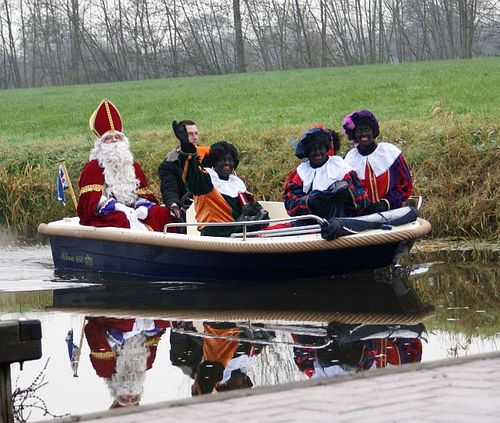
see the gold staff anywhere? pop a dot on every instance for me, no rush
(80, 345)
(70, 186)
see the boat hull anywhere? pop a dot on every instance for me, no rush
(179, 264)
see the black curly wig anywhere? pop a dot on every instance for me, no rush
(219, 150)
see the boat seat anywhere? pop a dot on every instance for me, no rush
(276, 210)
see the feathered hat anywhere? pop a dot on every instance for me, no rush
(105, 118)
(355, 118)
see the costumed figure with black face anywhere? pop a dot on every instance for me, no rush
(226, 360)
(322, 184)
(113, 187)
(175, 194)
(352, 348)
(219, 195)
(381, 167)
(121, 352)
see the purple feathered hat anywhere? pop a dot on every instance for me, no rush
(355, 118)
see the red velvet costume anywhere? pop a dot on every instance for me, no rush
(102, 357)
(105, 120)
(91, 189)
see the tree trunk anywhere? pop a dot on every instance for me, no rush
(238, 34)
(12, 48)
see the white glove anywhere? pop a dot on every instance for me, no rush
(132, 217)
(142, 212)
(124, 209)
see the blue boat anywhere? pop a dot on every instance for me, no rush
(268, 255)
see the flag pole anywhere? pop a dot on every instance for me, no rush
(70, 185)
(79, 352)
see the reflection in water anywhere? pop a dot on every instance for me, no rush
(285, 330)
(467, 301)
(157, 342)
(219, 356)
(351, 348)
(225, 356)
(121, 351)
(362, 293)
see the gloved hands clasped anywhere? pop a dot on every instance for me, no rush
(251, 212)
(339, 192)
(330, 202)
(134, 214)
(182, 135)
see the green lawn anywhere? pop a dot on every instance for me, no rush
(258, 101)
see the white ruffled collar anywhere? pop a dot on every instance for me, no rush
(380, 160)
(320, 178)
(232, 187)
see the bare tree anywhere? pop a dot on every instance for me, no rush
(238, 36)
(51, 42)
(10, 47)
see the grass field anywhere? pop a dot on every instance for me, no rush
(444, 115)
(258, 101)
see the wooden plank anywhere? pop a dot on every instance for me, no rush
(20, 340)
(6, 412)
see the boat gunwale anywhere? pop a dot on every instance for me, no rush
(245, 315)
(268, 245)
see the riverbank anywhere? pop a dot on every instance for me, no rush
(454, 161)
(454, 251)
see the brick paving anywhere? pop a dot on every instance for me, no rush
(458, 390)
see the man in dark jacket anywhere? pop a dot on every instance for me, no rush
(173, 189)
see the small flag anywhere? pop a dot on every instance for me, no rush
(61, 185)
(73, 351)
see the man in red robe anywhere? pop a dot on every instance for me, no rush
(113, 188)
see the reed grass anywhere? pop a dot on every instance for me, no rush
(444, 115)
(16, 302)
(465, 297)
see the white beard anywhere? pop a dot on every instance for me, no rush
(119, 173)
(131, 363)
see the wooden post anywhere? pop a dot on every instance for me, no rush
(21, 341)
(6, 412)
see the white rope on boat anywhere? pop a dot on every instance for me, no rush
(298, 317)
(289, 244)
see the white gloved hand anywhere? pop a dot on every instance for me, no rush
(142, 212)
(124, 209)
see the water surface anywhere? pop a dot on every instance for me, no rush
(188, 338)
